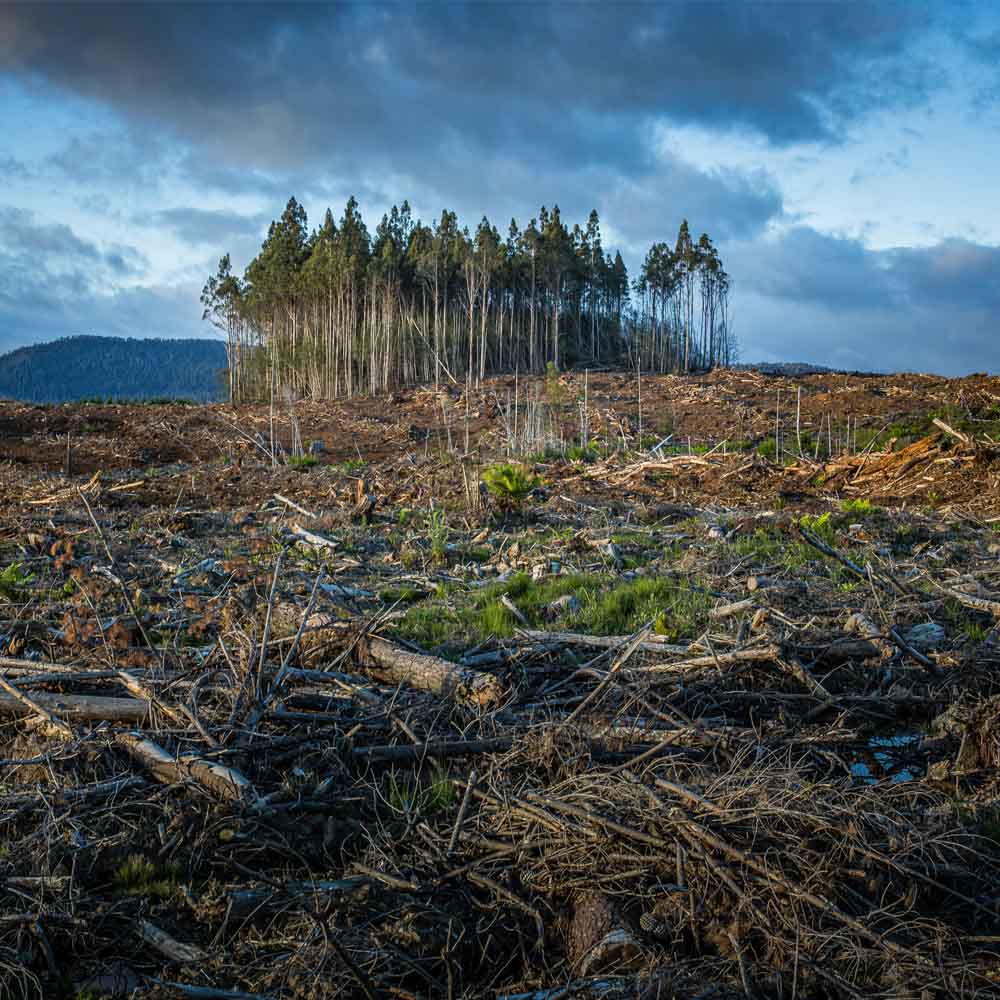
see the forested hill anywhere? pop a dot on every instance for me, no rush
(121, 368)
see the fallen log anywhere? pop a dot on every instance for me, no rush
(391, 662)
(991, 607)
(731, 609)
(79, 707)
(224, 781)
(651, 644)
(175, 950)
(32, 706)
(384, 659)
(246, 903)
(756, 654)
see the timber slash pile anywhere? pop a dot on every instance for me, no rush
(578, 687)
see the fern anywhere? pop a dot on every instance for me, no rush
(510, 485)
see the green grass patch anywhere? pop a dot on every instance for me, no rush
(13, 581)
(859, 508)
(401, 595)
(302, 461)
(608, 606)
(413, 797)
(139, 876)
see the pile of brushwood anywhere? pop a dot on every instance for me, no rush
(288, 797)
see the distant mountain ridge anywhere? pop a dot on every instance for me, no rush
(122, 368)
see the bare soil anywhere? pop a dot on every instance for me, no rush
(715, 718)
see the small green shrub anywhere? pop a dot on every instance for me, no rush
(13, 580)
(510, 485)
(821, 527)
(859, 508)
(302, 461)
(768, 448)
(581, 453)
(437, 534)
(138, 876)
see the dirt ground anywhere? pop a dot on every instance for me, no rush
(709, 709)
(403, 438)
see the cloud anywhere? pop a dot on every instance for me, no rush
(200, 226)
(13, 169)
(830, 300)
(271, 84)
(484, 107)
(49, 247)
(31, 313)
(53, 282)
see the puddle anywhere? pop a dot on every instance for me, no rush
(887, 755)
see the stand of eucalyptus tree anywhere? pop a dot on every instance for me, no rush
(682, 317)
(337, 312)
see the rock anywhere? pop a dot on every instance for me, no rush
(568, 604)
(925, 637)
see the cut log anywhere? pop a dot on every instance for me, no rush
(79, 707)
(758, 654)
(226, 782)
(33, 706)
(985, 604)
(392, 663)
(729, 610)
(384, 659)
(311, 538)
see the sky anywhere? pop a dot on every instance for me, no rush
(843, 156)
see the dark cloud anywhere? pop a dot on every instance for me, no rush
(953, 274)
(830, 300)
(31, 312)
(574, 84)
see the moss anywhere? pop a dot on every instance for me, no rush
(429, 625)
